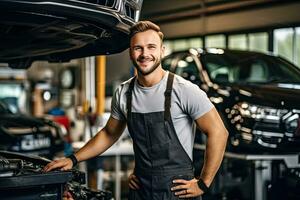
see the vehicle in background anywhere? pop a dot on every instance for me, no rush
(30, 135)
(61, 30)
(24, 174)
(257, 95)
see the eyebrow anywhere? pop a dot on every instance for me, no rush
(150, 44)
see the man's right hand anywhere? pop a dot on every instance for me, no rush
(133, 182)
(62, 164)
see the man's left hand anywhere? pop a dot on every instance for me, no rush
(186, 188)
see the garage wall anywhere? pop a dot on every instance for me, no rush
(118, 67)
(279, 16)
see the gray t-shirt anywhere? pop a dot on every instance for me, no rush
(188, 103)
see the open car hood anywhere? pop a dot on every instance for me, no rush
(61, 30)
(24, 174)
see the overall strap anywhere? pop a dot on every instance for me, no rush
(129, 96)
(168, 94)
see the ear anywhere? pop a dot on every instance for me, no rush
(163, 49)
(129, 52)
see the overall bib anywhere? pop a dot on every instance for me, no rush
(159, 155)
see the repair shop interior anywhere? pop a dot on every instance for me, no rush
(94, 108)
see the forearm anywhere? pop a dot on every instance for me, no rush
(96, 146)
(215, 147)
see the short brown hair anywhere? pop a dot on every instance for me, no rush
(143, 26)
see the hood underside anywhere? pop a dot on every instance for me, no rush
(55, 39)
(59, 31)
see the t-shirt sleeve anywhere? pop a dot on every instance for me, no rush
(195, 101)
(116, 111)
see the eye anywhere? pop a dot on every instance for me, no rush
(137, 48)
(152, 47)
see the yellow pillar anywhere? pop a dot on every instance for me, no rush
(100, 84)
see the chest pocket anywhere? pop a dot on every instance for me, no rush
(158, 134)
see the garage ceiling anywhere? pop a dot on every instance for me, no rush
(215, 16)
(165, 11)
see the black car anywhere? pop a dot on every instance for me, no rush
(257, 95)
(30, 135)
(22, 177)
(61, 30)
(54, 31)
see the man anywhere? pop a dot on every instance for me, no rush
(159, 109)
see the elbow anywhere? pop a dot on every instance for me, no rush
(221, 135)
(225, 135)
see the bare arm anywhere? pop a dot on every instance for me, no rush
(212, 125)
(104, 139)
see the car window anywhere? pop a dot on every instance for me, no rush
(254, 71)
(219, 69)
(249, 69)
(266, 69)
(187, 68)
(283, 71)
(4, 108)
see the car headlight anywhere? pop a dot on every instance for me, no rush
(259, 112)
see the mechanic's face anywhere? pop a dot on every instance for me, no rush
(146, 51)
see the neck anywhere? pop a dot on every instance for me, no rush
(152, 78)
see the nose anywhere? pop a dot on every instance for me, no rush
(145, 52)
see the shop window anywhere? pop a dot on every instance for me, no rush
(195, 43)
(258, 42)
(283, 43)
(180, 44)
(215, 41)
(237, 41)
(297, 47)
(168, 47)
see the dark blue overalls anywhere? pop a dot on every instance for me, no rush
(159, 155)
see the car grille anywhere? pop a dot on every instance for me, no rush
(278, 128)
(271, 134)
(291, 123)
(129, 8)
(130, 12)
(106, 3)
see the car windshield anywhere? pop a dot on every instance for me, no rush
(253, 68)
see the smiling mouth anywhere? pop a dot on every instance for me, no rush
(144, 62)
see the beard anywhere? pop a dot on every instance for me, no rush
(148, 70)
